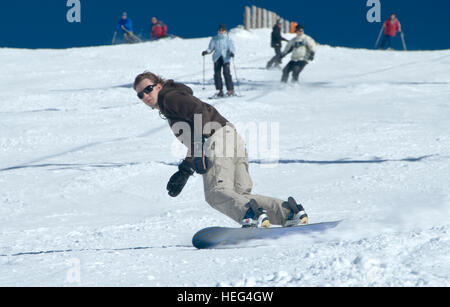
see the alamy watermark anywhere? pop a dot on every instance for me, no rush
(259, 140)
(74, 13)
(374, 14)
(73, 274)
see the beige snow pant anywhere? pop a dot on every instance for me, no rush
(228, 184)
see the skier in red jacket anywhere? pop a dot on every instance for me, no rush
(391, 27)
(159, 29)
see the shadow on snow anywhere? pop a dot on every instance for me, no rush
(80, 166)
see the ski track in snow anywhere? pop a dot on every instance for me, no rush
(83, 168)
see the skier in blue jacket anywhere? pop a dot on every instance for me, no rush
(125, 25)
(224, 50)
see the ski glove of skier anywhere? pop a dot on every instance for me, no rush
(204, 53)
(231, 54)
(180, 178)
(311, 56)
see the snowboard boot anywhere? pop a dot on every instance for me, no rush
(255, 217)
(297, 216)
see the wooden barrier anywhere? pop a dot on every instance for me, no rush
(258, 18)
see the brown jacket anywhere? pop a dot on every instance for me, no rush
(178, 104)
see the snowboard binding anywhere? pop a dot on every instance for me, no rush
(255, 217)
(297, 216)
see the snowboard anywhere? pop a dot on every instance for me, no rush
(215, 237)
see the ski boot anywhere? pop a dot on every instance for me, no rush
(255, 217)
(278, 66)
(219, 94)
(297, 216)
(231, 93)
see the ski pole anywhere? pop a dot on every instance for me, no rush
(403, 40)
(379, 36)
(237, 80)
(203, 73)
(114, 38)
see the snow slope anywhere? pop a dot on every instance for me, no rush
(84, 165)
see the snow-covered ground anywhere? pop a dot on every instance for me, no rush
(365, 137)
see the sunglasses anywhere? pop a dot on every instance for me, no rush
(146, 90)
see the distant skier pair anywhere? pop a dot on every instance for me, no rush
(303, 49)
(217, 152)
(125, 26)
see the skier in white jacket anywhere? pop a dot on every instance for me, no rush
(303, 49)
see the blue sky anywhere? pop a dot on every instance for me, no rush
(43, 24)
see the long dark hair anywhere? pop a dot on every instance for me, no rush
(150, 76)
(155, 79)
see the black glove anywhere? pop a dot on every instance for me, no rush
(204, 53)
(179, 179)
(231, 54)
(311, 56)
(200, 165)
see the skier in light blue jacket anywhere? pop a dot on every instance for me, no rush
(224, 50)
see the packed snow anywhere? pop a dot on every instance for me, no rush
(364, 137)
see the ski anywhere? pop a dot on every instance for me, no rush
(132, 36)
(224, 97)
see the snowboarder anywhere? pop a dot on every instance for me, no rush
(276, 44)
(159, 29)
(303, 49)
(217, 152)
(391, 27)
(224, 50)
(125, 25)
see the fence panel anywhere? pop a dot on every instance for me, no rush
(256, 18)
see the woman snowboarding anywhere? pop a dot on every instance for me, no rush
(217, 152)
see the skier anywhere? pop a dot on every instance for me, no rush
(224, 50)
(276, 44)
(159, 29)
(303, 49)
(217, 152)
(391, 27)
(126, 23)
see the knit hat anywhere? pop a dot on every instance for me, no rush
(298, 28)
(222, 27)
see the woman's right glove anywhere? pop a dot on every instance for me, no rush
(180, 178)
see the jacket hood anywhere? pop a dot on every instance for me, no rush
(171, 86)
